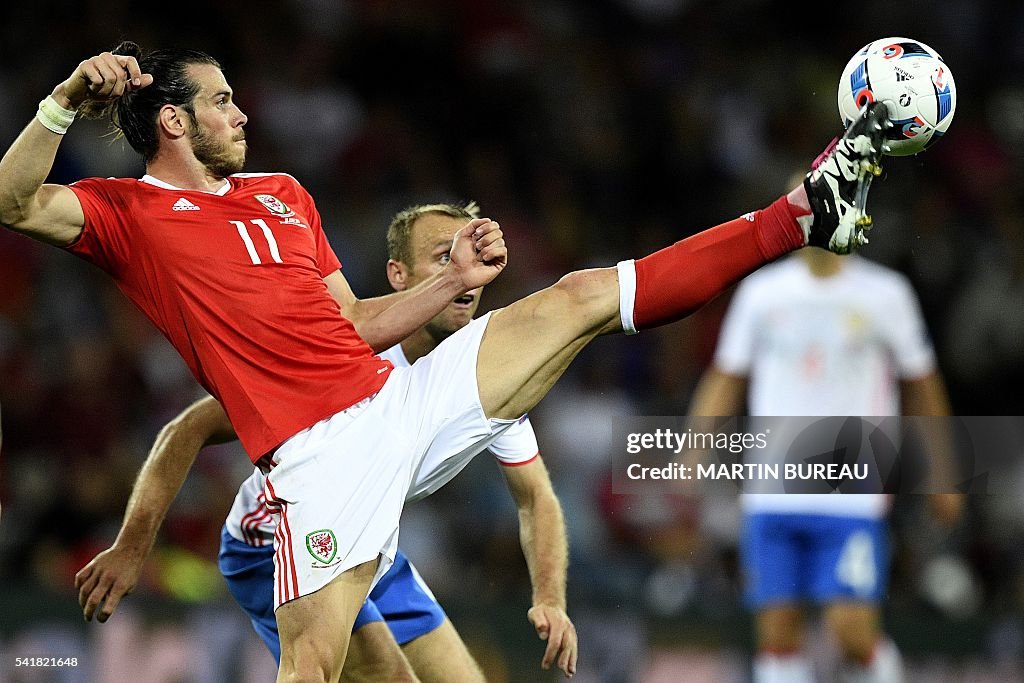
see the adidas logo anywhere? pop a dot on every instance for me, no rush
(184, 205)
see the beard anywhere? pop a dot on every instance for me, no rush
(221, 159)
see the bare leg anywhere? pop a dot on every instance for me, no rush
(442, 657)
(374, 655)
(780, 657)
(315, 629)
(855, 626)
(780, 628)
(529, 344)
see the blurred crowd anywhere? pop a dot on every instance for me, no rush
(593, 131)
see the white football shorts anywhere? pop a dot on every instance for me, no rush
(338, 487)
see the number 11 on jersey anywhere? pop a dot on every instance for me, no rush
(243, 232)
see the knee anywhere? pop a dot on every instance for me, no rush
(591, 294)
(308, 665)
(381, 665)
(306, 675)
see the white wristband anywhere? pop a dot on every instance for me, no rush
(55, 117)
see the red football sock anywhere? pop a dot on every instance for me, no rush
(676, 281)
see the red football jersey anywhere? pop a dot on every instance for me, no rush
(235, 281)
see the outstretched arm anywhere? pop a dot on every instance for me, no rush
(114, 572)
(478, 254)
(542, 535)
(52, 213)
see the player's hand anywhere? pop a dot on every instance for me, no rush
(103, 77)
(110, 576)
(946, 508)
(554, 626)
(478, 253)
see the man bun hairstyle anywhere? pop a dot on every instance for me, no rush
(133, 115)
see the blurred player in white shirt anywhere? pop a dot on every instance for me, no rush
(817, 335)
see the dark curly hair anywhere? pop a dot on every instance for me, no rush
(133, 115)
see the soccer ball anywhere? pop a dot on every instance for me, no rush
(915, 85)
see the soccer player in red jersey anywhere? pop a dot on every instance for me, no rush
(401, 610)
(235, 271)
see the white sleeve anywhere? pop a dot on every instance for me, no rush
(908, 334)
(735, 350)
(518, 445)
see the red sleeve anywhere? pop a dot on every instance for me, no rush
(326, 260)
(105, 237)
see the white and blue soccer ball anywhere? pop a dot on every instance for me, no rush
(913, 81)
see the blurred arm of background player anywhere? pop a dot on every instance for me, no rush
(719, 394)
(114, 572)
(926, 396)
(543, 539)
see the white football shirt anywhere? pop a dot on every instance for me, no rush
(814, 346)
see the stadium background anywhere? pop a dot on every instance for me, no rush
(593, 131)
